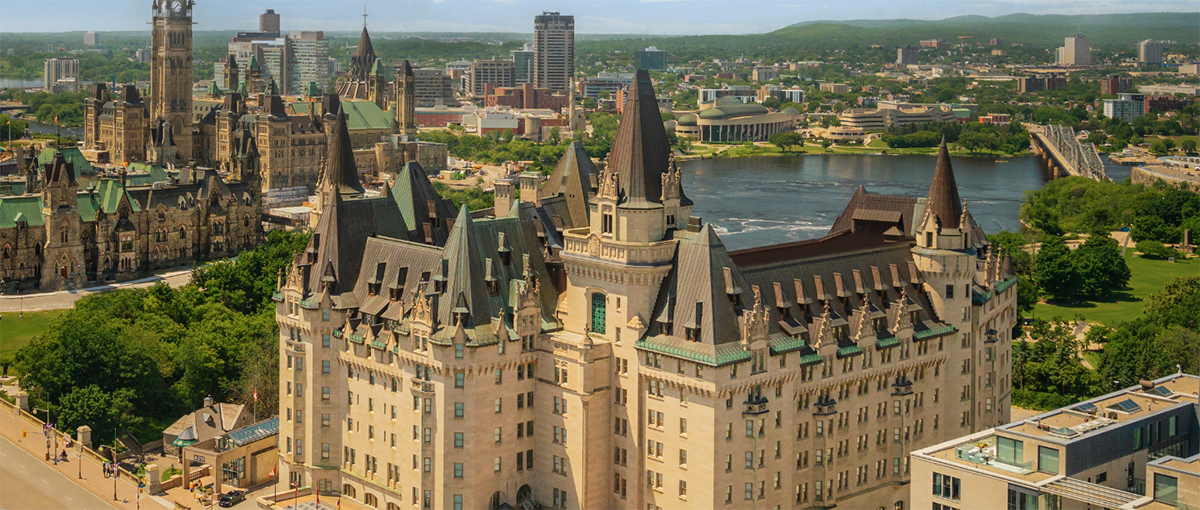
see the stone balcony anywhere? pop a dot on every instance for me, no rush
(583, 243)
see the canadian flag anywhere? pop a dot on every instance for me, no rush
(256, 395)
(272, 475)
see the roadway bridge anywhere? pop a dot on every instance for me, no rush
(1065, 155)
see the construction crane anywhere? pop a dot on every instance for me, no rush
(962, 44)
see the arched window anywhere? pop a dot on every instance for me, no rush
(599, 302)
(348, 490)
(66, 234)
(370, 500)
(182, 232)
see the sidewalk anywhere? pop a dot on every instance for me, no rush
(67, 298)
(93, 477)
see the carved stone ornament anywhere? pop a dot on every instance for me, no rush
(594, 245)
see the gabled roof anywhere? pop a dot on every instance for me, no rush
(27, 208)
(944, 203)
(413, 195)
(697, 293)
(573, 179)
(874, 213)
(72, 155)
(59, 171)
(640, 153)
(109, 193)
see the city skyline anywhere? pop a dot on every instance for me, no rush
(690, 17)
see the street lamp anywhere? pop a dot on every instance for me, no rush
(46, 429)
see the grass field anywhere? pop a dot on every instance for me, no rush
(1148, 276)
(16, 331)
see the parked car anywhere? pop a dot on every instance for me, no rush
(231, 498)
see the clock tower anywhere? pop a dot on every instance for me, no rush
(171, 71)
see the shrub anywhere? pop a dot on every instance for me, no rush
(1156, 250)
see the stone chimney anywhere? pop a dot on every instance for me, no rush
(531, 183)
(208, 401)
(504, 197)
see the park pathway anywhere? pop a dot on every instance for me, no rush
(67, 298)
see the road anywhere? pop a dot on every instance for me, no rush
(67, 298)
(28, 483)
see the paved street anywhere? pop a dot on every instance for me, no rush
(67, 298)
(28, 483)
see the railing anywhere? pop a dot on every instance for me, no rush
(87, 452)
(580, 242)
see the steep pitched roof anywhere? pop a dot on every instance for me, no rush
(26, 208)
(60, 170)
(405, 68)
(697, 293)
(944, 203)
(377, 68)
(341, 234)
(640, 153)
(574, 179)
(340, 171)
(874, 213)
(421, 206)
(365, 51)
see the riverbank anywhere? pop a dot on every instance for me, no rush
(875, 148)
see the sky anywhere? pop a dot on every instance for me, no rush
(664, 17)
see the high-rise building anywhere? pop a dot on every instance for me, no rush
(497, 72)
(996, 41)
(1131, 449)
(1150, 52)
(523, 58)
(1126, 107)
(61, 74)
(652, 59)
(432, 87)
(660, 369)
(171, 70)
(268, 22)
(553, 50)
(1076, 51)
(1113, 85)
(906, 55)
(90, 39)
(765, 73)
(308, 61)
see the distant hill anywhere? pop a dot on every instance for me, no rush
(1039, 29)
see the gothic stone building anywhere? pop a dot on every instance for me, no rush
(621, 357)
(60, 236)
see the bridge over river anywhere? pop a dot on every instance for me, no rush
(1064, 154)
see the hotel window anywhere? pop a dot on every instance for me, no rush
(458, 439)
(459, 379)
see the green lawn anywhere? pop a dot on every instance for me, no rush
(16, 331)
(1148, 276)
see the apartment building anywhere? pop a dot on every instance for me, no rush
(1150, 52)
(1126, 107)
(61, 74)
(496, 72)
(594, 345)
(553, 50)
(1131, 449)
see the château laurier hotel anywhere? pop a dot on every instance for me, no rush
(594, 345)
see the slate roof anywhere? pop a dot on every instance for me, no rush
(60, 171)
(341, 234)
(340, 170)
(944, 203)
(574, 179)
(413, 194)
(696, 294)
(640, 153)
(874, 213)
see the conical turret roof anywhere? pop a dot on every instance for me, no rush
(405, 68)
(377, 68)
(573, 178)
(640, 153)
(944, 202)
(365, 50)
(340, 171)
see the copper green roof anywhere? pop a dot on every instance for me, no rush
(108, 196)
(884, 343)
(377, 68)
(783, 343)
(72, 155)
(939, 330)
(312, 90)
(849, 350)
(1003, 285)
(214, 90)
(23, 208)
(699, 352)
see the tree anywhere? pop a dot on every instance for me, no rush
(1188, 146)
(555, 135)
(1156, 250)
(825, 144)
(1177, 304)
(785, 139)
(1159, 148)
(1101, 265)
(1055, 272)
(105, 412)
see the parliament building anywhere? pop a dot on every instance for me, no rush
(593, 344)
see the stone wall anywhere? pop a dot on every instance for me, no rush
(1149, 175)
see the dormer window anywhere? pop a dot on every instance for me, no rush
(929, 239)
(606, 223)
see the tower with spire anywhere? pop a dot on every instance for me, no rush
(231, 73)
(404, 116)
(171, 69)
(377, 85)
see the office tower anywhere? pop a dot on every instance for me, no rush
(1076, 51)
(660, 369)
(90, 39)
(553, 50)
(1150, 52)
(652, 59)
(1113, 85)
(1126, 107)
(268, 22)
(523, 58)
(496, 72)
(171, 71)
(61, 74)
(308, 61)
(906, 55)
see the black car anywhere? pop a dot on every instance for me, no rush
(231, 498)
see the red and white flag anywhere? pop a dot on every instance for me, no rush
(256, 395)
(56, 119)
(272, 475)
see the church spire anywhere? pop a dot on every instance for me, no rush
(341, 174)
(944, 203)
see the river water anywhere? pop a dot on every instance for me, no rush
(770, 200)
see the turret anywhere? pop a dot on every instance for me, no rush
(377, 85)
(231, 73)
(404, 105)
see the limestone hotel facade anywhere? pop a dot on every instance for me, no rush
(594, 345)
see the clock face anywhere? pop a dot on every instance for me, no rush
(177, 6)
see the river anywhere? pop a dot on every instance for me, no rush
(770, 200)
